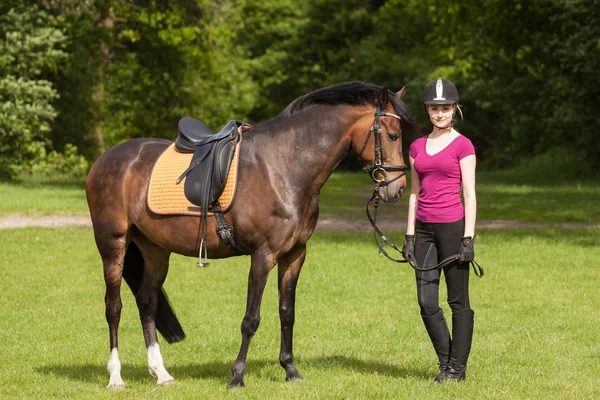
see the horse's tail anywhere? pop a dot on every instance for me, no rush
(166, 321)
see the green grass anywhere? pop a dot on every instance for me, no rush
(505, 196)
(358, 331)
(37, 199)
(509, 195)
(346, 193)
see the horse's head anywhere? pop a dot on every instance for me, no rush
(380, 145)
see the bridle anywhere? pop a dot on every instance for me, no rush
(378, 164)
(380, 239)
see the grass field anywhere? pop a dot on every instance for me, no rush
(358, 331)
(36, 199)
(500, 195)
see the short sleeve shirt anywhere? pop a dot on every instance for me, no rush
(439, 174)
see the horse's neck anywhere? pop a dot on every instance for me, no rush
(307, 149)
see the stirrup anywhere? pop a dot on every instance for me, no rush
(200, 263)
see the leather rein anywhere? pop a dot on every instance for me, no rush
(380, 239)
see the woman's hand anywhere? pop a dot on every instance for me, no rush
(466, 252)
(408, 249)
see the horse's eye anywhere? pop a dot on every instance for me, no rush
(392, 137)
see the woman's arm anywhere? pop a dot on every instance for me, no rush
(467, 172)
(415, 186)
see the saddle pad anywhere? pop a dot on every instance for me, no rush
(167, 198)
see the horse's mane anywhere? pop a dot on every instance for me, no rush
(353, 94)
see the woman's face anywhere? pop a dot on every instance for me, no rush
(441, 114)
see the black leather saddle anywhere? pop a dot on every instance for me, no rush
(193, 133)
(213, 152)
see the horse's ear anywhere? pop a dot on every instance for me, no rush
(400, 94)
(383, 96)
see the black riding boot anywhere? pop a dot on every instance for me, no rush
(462, 336)
(437, 328)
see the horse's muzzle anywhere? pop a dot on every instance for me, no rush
(393, 192)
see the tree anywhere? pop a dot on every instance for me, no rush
(30, 48)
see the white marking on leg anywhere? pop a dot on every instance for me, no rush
(156, 366)
(114, 369)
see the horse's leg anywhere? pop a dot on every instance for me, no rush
(156, 266)
(112, 250)
(259, 272)
(289, 270)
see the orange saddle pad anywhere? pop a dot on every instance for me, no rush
(167, 198)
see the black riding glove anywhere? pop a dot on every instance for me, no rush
(466, 253)
(408, 249)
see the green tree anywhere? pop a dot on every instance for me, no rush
(30, 49)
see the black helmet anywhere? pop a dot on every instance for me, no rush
(440, 91)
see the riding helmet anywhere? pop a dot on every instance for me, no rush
(440, 91)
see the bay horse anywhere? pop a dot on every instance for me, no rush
(282, 166)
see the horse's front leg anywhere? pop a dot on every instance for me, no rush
(259, 272)
(289, 271)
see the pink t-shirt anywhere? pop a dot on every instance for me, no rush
(439, 175)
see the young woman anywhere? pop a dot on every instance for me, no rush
(440, 227)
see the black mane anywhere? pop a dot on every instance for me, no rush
(353, 94)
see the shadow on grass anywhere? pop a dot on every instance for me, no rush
(222, 371)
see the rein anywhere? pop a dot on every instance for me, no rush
(378, 234)
(380, 166)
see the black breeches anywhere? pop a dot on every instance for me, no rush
(434, 243)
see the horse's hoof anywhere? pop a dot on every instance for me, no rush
(115, 386)
(236, 384)
(166, 383)
(294, 377)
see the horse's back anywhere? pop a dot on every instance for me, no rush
(120, 159)
(123, 153)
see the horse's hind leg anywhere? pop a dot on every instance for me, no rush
(112, 250)
(289, 271)
(156, 266)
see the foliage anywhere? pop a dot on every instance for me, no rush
(30, 48)
(524, 70)
(105, 71)
(54, 166)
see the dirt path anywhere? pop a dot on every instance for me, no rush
(327, 223)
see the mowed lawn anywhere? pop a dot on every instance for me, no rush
(358, 331)
(500, 195)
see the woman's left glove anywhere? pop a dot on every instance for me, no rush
(466, 253)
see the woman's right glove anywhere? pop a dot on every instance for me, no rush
(408, 249)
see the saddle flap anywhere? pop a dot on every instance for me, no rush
(206, 180)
